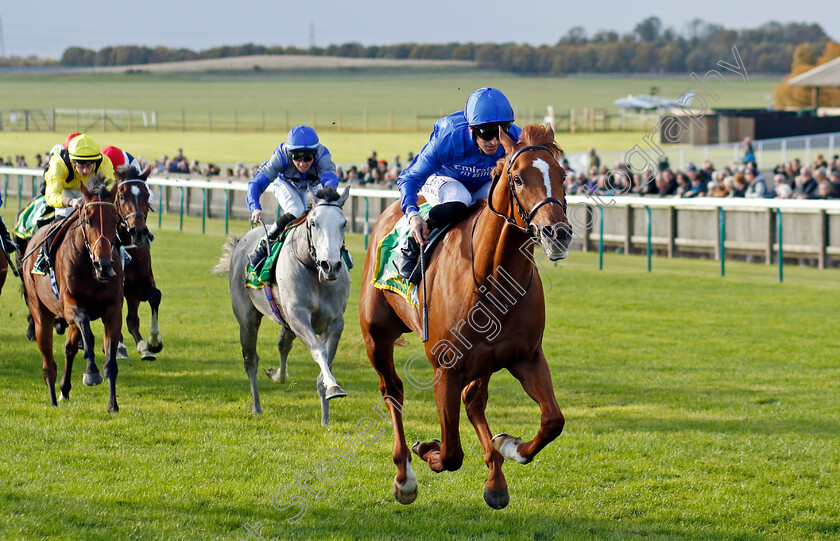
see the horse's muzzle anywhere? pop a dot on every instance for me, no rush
(140, 235)
(103, 269)
(555, 239)
(328, 270)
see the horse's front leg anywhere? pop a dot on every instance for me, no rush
(82, 320)
(299, 322)
(331, 337)
(43, 322)
(155, 341)
(496, 493)
(284, 346)
(535, 378)
(112, 321)
(446, 454)
(71, 347)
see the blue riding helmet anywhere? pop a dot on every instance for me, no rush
(488, 106)
(302, 138)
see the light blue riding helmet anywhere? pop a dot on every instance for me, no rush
(488, 106)
(302, 138)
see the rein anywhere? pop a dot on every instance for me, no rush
(309, 242)
(526, 216)
(125, 218)
(101, 237)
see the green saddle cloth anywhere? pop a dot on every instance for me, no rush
(261, 276)
(36, 214)
(385, 274)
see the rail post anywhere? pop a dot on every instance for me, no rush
(781, 251)
(181, 224)
(649, 231)
(227, 211)
(601, 241)
(722, 240)
(367, 226)
(203, 209)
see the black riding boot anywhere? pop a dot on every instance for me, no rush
(42, 262)
(260, 252)
(407, 261)
(8, 245)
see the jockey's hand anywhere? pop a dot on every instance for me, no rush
(74, 202)
(256, 216)
(419, 228)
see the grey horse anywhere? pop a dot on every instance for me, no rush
(311, 289)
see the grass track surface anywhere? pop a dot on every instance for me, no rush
(697, 407)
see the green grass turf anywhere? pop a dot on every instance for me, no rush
(698, 407)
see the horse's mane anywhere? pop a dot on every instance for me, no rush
(128, 171)
(327, 193)
(533, 134)
(96, 186)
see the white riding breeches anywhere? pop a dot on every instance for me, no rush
(70, 194)
(440, 189)
(291, 198)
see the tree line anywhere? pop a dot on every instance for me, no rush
(650, 48)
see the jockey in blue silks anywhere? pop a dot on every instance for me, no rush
(453, 169)
(300, 164)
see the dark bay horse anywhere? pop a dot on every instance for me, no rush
(311, 287)
(89, 279)
(133, 205)
(486, 313)
(3, 270)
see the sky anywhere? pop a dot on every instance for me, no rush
(46, 29)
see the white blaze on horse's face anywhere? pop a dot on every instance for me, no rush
(544, 168)
(327, 224)
(550, 222)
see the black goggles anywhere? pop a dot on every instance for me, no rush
(488, 132)
(303, 156)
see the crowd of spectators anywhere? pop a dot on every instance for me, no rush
(790, 180)
(819, 179)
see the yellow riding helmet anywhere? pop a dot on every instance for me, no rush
(84, 149)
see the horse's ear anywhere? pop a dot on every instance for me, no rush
(344, 195)
(146, 172)
(85, 192)
(112, 193)
(549, 133)
(506, 141)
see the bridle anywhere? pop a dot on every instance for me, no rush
(84, 221)
(125, 218)
(311, 245)
(526, 216)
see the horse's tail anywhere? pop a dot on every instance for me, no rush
(223, 266)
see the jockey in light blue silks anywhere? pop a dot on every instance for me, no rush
(453, 169)
(300, 164)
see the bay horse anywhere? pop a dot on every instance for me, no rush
(89, 280)
(311, 287)
(133, 205)
(3, 270)
(486, 311)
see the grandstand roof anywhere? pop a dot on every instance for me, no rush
(827, 74)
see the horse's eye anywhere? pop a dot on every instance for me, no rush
(517, 180)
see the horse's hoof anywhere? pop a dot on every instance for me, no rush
(156, 347)
(274, 375)
(405, 497)
(507, 446)
(143, 350)
(122, 351)
(63, 398)
(421, 449)
(94, 378)
(30, 333)
(497, 499)
(336, 392)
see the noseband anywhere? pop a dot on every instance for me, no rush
(312, 252)
(526, 216)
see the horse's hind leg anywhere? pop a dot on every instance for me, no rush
(535, 378)
(248, 332)
(132, 322)
(71, 347)
(380, 350)
(43, 322)
(155, 341)
(284, 346)
(496, 493)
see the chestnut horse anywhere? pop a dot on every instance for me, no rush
(486, 312)
(133, 205)
(89, 278)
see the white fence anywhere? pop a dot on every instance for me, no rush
(705, 226)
